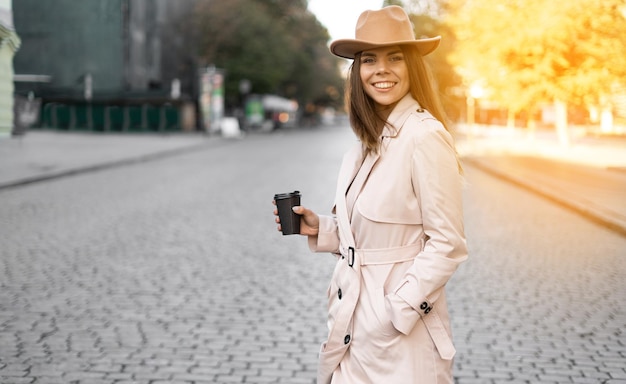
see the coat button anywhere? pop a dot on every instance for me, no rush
(346, 339)
(427, 310)
(423, 306)
(339, 294)
(420, 110)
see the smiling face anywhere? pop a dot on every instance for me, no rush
(384, 75)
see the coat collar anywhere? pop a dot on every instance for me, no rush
(352, 162)
(399, 114)
(354, 158)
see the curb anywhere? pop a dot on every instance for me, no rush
(587, 209)
(102, 166)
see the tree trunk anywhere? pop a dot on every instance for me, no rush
(530, 125)
(510, 119)
(560, 109)
(606, 121)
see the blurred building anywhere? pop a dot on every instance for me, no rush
(9, 44)
(114, 65)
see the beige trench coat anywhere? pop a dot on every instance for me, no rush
(388, 319)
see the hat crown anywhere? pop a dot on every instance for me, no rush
(387, 25)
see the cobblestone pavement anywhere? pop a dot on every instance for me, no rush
(542, 298)
(171, 271)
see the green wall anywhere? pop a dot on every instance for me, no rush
(67, 39)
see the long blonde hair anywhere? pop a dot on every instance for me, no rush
(366, 122)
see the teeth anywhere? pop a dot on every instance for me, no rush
(384, 85)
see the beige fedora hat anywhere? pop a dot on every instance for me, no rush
(388, 26)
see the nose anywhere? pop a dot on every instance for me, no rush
(381, 67)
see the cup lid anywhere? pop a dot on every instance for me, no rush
(286, 195)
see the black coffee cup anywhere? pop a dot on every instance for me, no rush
(289, 220)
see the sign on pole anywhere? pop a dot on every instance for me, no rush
(211, 98)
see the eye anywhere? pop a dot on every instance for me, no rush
(367, 60)
(396, 58)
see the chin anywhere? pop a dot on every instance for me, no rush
(386, 102)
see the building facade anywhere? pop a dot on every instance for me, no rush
(9, 44)
(102, 65)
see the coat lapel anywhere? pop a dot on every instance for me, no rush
(354, 161)
(350, 182)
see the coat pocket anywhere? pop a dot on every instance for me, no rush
(329, 361)
(381, 314)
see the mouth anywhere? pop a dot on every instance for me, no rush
(383, 85)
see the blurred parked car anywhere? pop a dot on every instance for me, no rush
(269, 112)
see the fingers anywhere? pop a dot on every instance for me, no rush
(276, 219)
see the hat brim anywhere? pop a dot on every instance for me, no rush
(348, 48)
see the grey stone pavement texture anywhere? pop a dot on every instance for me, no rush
(591, 182)
(508, 154)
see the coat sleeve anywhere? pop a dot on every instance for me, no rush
(327, 240)
(438, 185)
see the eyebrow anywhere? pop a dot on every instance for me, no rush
(388, 54)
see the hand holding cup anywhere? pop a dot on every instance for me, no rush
(293, 218)
(289, 220)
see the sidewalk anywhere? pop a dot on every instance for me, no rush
(588, 176)
(42, 155)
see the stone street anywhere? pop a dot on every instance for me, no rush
(170, 270)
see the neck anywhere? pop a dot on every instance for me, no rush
(385, 110)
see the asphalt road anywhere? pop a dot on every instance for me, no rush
(172, 271)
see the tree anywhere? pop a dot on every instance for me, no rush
(530, 52)
(448, 81)
(277, 45)
(315, 75)
(241, 37)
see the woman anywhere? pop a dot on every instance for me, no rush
(397, 229)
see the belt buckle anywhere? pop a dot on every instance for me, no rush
(350, 256)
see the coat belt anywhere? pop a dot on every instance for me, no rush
(382, 255)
